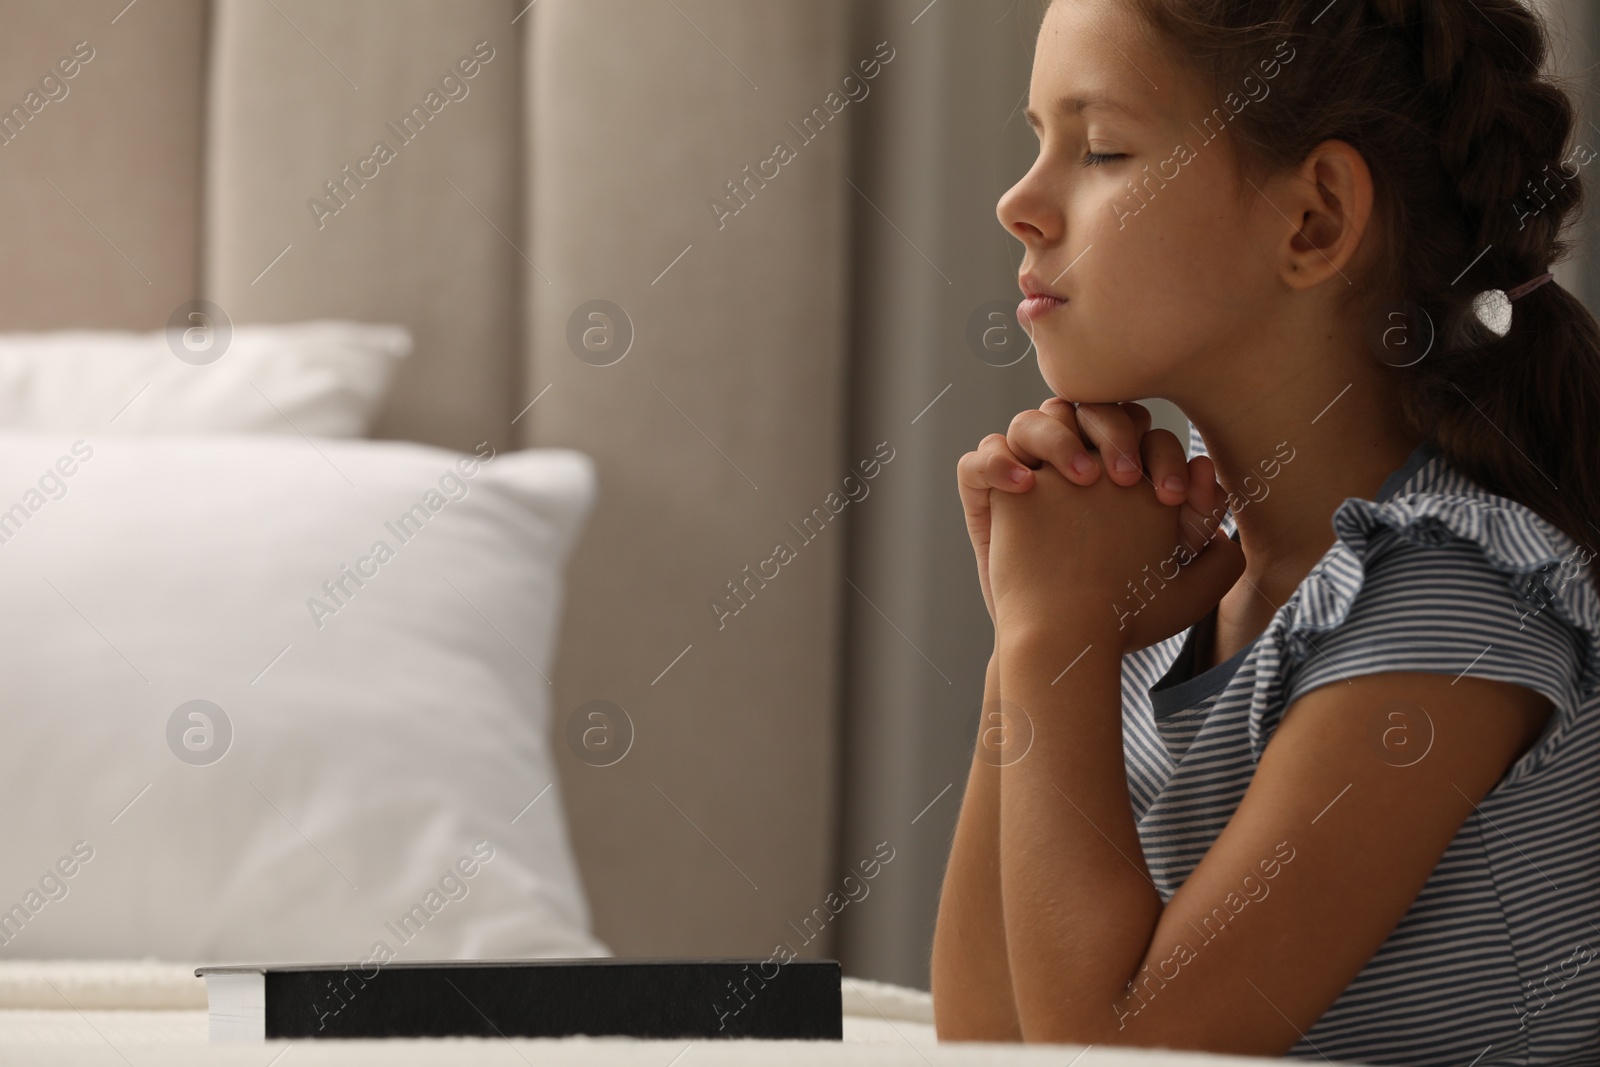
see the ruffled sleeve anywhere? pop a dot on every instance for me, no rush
(1444, 584)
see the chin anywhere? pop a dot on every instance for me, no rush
(1076, 381)
(1091, 377)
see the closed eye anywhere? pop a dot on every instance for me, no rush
(1095, 159)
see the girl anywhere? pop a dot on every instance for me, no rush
(1328, 785)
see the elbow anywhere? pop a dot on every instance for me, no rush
(958, 1022)
(959, 1014)
(964, 1013)
(1055, 1029)
(1048, 1013)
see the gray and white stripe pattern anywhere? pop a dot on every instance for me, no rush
(1494, 963)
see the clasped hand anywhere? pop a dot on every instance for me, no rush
(1111, 558)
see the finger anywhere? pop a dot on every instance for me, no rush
(1084, 470)
(1014, 441)
(974, 488)
(1166, 466)
(1139, 414)
(1037, 437)
(1057, 408)
(1195, 533)
(1204, 510)
(1112, 431)
(1206, 494)
(991, 466)
(1003, 468)
(1204, 579)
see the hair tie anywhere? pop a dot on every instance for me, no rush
(1494, 305)
(1527, 287)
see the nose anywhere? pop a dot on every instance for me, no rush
(1029, 213)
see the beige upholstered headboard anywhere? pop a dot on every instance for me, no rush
(188, 158)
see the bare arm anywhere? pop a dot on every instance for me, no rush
(1080, 907)
(971, 973)
(971, 966)
(1095, 956)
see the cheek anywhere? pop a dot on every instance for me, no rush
(1153, 290)
(1178, 255)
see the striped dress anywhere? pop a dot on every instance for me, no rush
(1495, 964)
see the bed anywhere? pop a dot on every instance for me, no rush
(240, 349)
(174, 163)
(65, 1014)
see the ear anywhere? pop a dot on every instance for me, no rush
(1328, 202)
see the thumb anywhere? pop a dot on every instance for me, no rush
(1202, 581)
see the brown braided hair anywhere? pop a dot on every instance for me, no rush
(1468, 146)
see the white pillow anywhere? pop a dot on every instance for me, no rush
(201, 375)
(376, 740)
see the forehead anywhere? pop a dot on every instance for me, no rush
(1095, 56)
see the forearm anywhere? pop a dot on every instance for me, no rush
(1078, 902)
(971, 975)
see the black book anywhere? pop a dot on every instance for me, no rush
(599, 997)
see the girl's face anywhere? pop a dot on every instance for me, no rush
(1131, 215)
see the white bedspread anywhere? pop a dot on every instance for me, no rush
(79, 1013)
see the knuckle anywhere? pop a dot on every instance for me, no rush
(1091, 420)
(1164, 443)
(989, 447)
(999, 465)
(1064, 445)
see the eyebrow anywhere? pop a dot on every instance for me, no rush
(1077, 105)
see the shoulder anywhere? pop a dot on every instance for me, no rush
(1443, 578)
(1413, 672)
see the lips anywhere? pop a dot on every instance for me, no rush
(1036, 307)
(1034, 286)
(1038, 299)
